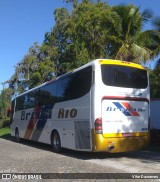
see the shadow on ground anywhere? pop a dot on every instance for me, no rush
(148, 155)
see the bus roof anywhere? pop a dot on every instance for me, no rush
(119, 62)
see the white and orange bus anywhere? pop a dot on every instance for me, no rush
(101, 106)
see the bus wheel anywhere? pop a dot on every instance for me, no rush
(55, 142)
(17, 135)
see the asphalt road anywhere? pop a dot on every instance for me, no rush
(31, 157)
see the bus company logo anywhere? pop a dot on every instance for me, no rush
(125, 108)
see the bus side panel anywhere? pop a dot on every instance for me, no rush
(82, 134)
(21, 120)
(70, 118)
(72, 121)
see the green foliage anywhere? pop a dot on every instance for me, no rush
(155, 81)
(35, 79)
(86, 32)
(155, 74)
(130, 37)
(36, 67)
(5, 103)
(156, 36)
(92, 29)
(4, 122)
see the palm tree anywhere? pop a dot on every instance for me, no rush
(156, 36)
(154, 76)
(128, 41)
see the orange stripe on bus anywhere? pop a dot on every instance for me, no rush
(32, 123)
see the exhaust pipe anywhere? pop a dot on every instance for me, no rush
(111, 147)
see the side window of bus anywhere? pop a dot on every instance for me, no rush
(83, 81)
(51, 90)
(75, 85)
(47, 94)
(66, 88)
(19, 103)
(29, 100)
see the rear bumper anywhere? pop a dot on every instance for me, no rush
(115, 144)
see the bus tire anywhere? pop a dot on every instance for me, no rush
(56, 142)
(17, 135)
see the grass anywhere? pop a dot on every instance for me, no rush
(4, 131)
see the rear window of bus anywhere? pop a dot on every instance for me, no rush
(123, 76)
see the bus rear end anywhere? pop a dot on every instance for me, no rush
(122, 122)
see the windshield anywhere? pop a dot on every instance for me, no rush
(123, 76)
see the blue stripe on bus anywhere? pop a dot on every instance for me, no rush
(41, 122)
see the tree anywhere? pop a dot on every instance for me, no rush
(86, 32)
(91, 30)
(35, 68)
(74, 2)
(155, 73)
(5, 104)
(96, 30)
(155, 81)
(128, 41)
(156, 36)
(81, 36)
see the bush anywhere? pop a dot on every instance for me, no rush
(4, 122)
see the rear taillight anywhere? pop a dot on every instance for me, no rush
(98, 125)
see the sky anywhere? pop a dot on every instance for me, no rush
(23, 22)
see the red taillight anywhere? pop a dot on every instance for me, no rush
(9, 109)
(98, 125)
